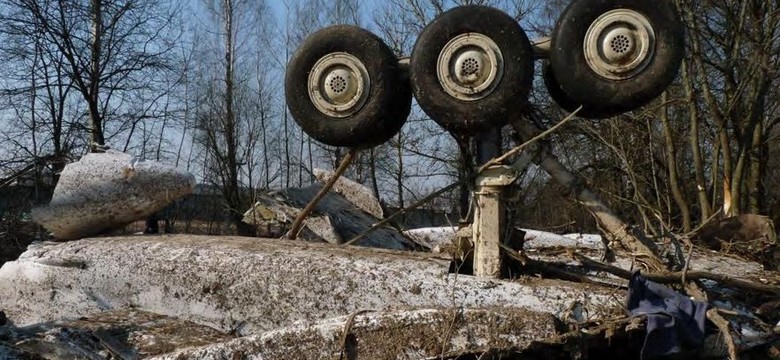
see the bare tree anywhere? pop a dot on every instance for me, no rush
(107, 48)
(234, 103)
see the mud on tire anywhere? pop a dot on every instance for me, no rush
(616, 55)
(344, 87)
(472, 68)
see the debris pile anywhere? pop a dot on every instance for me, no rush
(339, 216)
(749, 236)
(185, 296)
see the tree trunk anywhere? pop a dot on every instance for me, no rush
(96, 122)
(399, 174)
(755, 183)
(616, 229)
(465, 171)
(671, 164)
(372, 169)
(698, 165)
(234, 196)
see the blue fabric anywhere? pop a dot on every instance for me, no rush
(674, 321)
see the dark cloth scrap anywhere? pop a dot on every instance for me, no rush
(674, 321)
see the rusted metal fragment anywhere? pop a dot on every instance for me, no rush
(416, 334)
(256, 285)
(103, 191)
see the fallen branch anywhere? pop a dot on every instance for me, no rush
(723, 326)
(615, 227)
(347, 328)
(677, 276)
(525, 144)
(491, 162)
(603, 329)
(687, 264)
(298, 223)
(403, 211)
(558, 273)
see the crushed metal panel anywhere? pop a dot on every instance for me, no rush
(272, 218)
(414, 334)
(103, 191)
(348, 220)
(255, 285)
(259, 213)
(335, 219)
(354, 192)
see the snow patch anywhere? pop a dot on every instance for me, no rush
(436, 237)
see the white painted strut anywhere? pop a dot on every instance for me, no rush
(489, 220)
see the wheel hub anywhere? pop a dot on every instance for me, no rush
(338, 85)
(619, 44)
(470, 66)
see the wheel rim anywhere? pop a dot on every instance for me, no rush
(619, 44)
(338, 85)
(470, 66)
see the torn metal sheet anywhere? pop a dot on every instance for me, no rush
(416, 334)
(253, 285)
(272, 218)
(354, 192)
(103, 191)
(335, 219)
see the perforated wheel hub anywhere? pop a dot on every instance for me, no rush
(619, 44)
(338, 85)
(470, 66)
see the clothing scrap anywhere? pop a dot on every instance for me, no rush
(674, 321)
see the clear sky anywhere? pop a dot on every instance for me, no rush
(367, 8)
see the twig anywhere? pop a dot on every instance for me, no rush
(545, 267)
(679, 258)
(522, 146)
(703, 223)
(9, 180)
(347, 328)
(723, 326)
(594, 332)
(675, 277)
(494, 161)
(687, 264)
(403, 211)
(298, 223)
(448, 334)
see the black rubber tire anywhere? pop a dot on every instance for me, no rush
(581, 84)
(566, 103)
(507, 99)
(389, 100)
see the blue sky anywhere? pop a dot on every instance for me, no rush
(368, 7)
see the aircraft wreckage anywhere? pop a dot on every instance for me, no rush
(360, 289)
